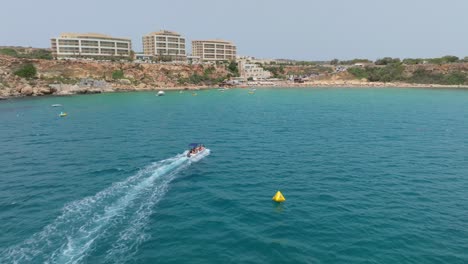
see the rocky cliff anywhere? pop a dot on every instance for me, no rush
(81, 76)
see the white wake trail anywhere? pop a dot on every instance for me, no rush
(124, 207)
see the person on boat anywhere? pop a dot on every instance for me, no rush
(196, 149)
(191, 152)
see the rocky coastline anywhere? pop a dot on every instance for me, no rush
(62, 77)
(68, 77)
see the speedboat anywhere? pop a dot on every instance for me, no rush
(196, 149)
(63, 114)
(160, 93)
(56, 105)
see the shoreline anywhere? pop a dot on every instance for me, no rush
(60, 78)
(279, 85)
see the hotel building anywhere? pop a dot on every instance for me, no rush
(251, 70)
(214, 50)
(90, 45)
(164, 45)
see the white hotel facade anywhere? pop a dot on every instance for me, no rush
(251, 70)
(214, 50)
(91, 45)
(164, 44)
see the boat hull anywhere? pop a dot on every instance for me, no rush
(198, 156)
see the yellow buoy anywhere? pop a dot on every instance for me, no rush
(279, 197)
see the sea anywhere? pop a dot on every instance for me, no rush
(370, 175)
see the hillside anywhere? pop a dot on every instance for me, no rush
(33, 73)
(81, 76)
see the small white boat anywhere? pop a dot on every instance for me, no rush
(56, 105)
(160, 93)
(197, 151)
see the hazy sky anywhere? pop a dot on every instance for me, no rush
(295, 29)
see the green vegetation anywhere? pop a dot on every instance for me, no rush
(351, 62)
(39, 54)
(413, 61)
(9, 52)
(396, 72)
(209, 70)
(305, 63)
(205, 79)
(117, 74)
(276, 71)
(443, 60)
(386, 61)
(27, 53)
(163, 58)
(426, 77)
(26, 71)
(359, 73)
(389, 73)
(232, 67)
(281, 71)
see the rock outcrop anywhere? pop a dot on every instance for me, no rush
(63, 77)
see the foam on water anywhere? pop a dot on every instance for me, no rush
(125, 207)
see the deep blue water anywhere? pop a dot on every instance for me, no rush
(370, 176)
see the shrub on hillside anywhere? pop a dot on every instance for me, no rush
(9, 52)
(39, 54)
(389, 73)
(118, 74)
(359, 73)
(387, 60)
(455, 78)
(22, 53)
(410, 61)
(26, 71)
(351, 62)
(232, 67)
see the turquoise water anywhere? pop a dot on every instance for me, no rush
(370, 176)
